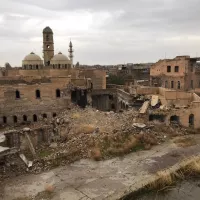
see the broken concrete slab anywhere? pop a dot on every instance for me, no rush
(26, 129)
(3, 149)
(154, 100)
(2, 138)
(144, 107)
(32, 149)
(26, 161)
(139, 125)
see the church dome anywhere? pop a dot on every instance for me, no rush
(47, 30)
(32, 57)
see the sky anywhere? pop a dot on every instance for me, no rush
(102, 31)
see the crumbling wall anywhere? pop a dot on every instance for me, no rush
(178, 97)
(18, 139)
(98, 77)
(147, 90)
(111, 99)
(195, 97)
(184, 115)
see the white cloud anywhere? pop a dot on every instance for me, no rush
(104, 32)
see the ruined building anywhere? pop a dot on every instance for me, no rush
(180, 73)
(40, 89)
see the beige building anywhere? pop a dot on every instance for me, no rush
(180, 73)
(32, 61)
(42, 89)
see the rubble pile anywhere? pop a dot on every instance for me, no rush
(89, 133)
(78, 133)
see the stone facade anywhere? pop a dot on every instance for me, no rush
(39, 91)
(178, 106)
(112, 99)
(180, 73)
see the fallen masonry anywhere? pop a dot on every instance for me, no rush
(80, 133)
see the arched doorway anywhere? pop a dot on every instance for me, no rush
(191, 120)
(37, 94)
(25, 118)
(35, 118)
(58, 93)
(4, 119)
(15, 119)
(17, 94)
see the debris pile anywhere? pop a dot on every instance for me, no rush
(89, 133)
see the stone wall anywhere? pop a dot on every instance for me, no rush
(111, 99)
(185, 78)
(53, 99)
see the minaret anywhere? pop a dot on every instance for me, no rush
(71, 53)
(48, 45)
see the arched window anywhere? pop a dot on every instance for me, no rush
(54, 114)
(166, 84)
(191, 120)
(35, 118)
(176, 69)
(178, 85)
(172, 84)
(25, 118)
(44, 115)
(168, 68)
(15, 119)
(58, 66)
(4, 119)
(53, 66)
(58, 93)
(30, 66)
(37, 94)
(37, 67)
(17, 94)
(65, 66)
(24, 66)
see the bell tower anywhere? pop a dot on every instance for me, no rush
(48, 45)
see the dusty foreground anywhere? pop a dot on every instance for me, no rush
(87, 179)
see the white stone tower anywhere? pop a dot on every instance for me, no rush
(71, 51)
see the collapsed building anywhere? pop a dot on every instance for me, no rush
(180, 73)
(32, 96)
(170, 106)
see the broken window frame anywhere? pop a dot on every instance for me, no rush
(169, 69)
